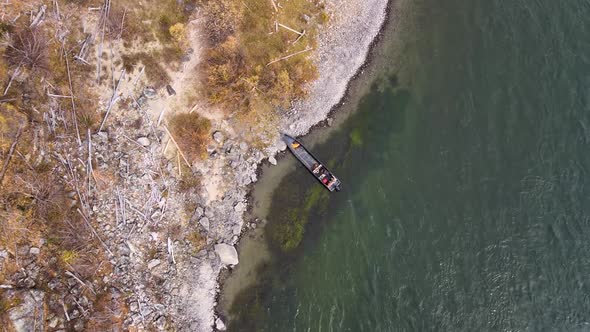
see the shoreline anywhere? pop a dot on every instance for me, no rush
(264, 165)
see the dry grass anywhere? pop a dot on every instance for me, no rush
(191, 132)
(197, 240)
(154, 71)
(241, 67)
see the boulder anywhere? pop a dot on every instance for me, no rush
(227, 254)
(34, 251)
(219, 325)
(240, 207)
(218, 137)
(204, 222)
(272, 160)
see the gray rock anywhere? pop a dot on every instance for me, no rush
(161, 323)
(282, 146)
(329, 122)
(28, 315)
(150, 92)
(79, 326)
(144, 141)
(103, 135)
(236, 230)
(219, 325)
(204, 222)
(227, 254)
(210, 149)
(218, 137)
(240, 207)
(53, 322)
(34, 251)
(305, 18)
(199, 212)
(170, 90)
(244, 146)
(272, 160)
(153, 263)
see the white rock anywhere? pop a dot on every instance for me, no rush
(143, 141)
(282, 146)
(34, 251)
(219, 325)
(272, 160)
(218, 137)
(240, 207)
(227, 254)
(204, 222)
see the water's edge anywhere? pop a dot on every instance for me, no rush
(252, 246)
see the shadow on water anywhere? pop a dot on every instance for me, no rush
(301, 207)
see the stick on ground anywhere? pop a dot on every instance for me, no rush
(11, 152)
(288, 56)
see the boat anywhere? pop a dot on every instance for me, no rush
(313, 165)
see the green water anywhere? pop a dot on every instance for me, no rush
(466, 204)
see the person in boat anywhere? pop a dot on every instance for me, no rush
(325, 180)
(316, 168)
(331, 182)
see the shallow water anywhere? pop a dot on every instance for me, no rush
(465, 206)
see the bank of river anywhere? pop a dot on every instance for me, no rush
(466, 195)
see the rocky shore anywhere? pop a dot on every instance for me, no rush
(342, 50)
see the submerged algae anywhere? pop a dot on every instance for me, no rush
(286, 232)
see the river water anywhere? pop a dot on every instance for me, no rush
(465, 168)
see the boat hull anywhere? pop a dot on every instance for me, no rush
(312, 164)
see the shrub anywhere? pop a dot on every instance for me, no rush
(191, 132)
(28, 48)
(244, 41)
(179, 34)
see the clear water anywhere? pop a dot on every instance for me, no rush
(466, 204)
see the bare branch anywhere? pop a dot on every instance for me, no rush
(290, 29)
(72, 96)
(290, 55)
(177, 146)
(11, 152)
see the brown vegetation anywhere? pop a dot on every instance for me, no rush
(27, 47)
(191, 133)
(46, 95)
(258, 59)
